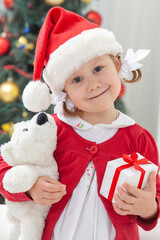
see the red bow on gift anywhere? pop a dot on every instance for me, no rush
(133, 159)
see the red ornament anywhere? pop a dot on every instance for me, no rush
(94, 17)
(121, 91)
(8, 3)
(4, 46)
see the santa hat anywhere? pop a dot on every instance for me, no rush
(66, 41)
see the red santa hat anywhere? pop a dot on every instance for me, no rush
(66, 41)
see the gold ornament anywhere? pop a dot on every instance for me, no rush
(29, 46)
(24, 44)
(54, 2)
(8, 127)
(25, 114)
(22, 40)
(9, 91)
(86, 1)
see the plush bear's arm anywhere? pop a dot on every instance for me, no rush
(6, 152)
(15, 197)
(20, 178)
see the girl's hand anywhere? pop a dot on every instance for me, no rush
(139, 202)
(47, 191)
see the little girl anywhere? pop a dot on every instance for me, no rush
(83, 67)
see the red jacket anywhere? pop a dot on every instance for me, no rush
(73, 155)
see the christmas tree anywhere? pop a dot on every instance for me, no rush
(19, 27)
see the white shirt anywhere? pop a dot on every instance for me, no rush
(84, 216)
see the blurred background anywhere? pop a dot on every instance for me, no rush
(135, 24)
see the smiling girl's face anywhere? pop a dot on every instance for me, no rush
(95, 86)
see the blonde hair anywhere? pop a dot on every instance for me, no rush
(136, 76)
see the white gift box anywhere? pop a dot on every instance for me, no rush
(119, 171)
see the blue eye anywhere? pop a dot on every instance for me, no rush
(77, 79)
(97, 69)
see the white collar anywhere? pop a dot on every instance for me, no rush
(76, 122)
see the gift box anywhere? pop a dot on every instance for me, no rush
(133, 169)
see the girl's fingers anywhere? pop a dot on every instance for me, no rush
(152, 182)
(121, 203)
(47, 191)
(119, 210)
(125, 196)
(48, 187)
(52, 181)
(136, 192)
(51, 185)
(45, 201)
(52, 196)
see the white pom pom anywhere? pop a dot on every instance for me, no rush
(36, 96)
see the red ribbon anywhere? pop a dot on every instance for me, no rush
(20, 71)
(132, 160)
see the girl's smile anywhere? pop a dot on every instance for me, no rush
(96, 96)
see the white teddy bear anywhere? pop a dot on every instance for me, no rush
(30, 152)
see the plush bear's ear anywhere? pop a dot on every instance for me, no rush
(6, 152)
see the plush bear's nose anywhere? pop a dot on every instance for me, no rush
(42, 118)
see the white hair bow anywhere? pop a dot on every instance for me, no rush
(58, 97)
(130, 62)
(61, 97)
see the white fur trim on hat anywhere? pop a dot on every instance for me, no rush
(71, 55)
(36, 96)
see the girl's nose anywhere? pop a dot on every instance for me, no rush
(94, 85)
